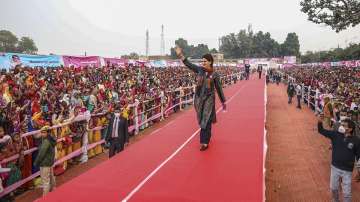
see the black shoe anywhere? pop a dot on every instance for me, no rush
(204, 147)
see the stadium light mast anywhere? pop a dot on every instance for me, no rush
(219, 44)
(162, 43)
(147, 43)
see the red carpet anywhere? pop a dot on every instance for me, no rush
(230, 170)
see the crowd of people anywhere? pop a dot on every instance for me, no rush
(334, 95)
(34, 99)
(337, 88)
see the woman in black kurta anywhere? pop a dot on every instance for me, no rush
(207, 81)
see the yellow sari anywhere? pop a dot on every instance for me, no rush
(91, 152)
(65, 132)
(101, 122)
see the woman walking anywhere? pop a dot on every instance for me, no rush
(207, 81)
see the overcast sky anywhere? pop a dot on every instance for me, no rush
(117, 27)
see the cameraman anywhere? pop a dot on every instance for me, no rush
(345, 149)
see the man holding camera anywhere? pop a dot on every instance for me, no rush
(345, 149)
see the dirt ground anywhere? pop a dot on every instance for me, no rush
(298, 157)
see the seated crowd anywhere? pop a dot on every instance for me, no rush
(34, 98)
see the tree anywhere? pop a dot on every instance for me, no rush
(308, 57)
(265, 46)
(338, 14)
(182, 43)
(213, 51)
(259, 50)
(200, 50)
(172, 53)
(230, 46)
(247, 44)
(27, 45)
(291, 46)
(133, 56)
(8, 41)
(190, 50)
(352, 52)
